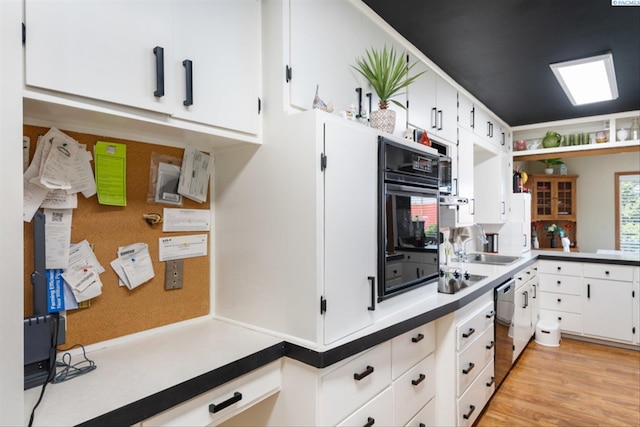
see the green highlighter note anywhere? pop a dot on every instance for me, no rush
(111, 173)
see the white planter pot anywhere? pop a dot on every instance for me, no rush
(384, 120)
(548, 171)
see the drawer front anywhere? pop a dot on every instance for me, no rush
(426, 416)
(353, 384)
(474, 358)
(563, 284)
(609, 272)
(393, 271)
(477, 395)
(561, 302)
(410, 347)
(470, 328)
(569, 322)
(412, 390)
(421, 257)
(252, 388)
(560, 267)
(379, 411)
(523, 276)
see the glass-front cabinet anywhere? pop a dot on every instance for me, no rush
(553, 203)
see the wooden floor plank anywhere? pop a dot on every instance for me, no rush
(575, 384)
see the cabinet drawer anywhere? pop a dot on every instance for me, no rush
(561, 302)
(353, 384)
(245, 392)
(379, 411)
(560, 267)
(393, 271)
(474, 358)
(410, 347)
(609, 272)
(421, 257)
(523, 276)
(569, 322)
(426, 416)
(477, 395)
(563, 284)
(412, 390)
(469, 329)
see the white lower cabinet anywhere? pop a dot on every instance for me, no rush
(224, 402)
(471, 403)
(378, 411)
(525, 312)
(560, 296)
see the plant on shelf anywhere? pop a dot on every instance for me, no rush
(550, 163)
(387, 73)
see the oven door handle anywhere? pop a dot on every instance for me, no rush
(409, 189)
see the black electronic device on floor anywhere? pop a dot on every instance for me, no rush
(43, 331)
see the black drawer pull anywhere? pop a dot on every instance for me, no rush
(188, 71)
(490, 345)
(368, 371)
(606, 272)
(422, 425)
(237, 397)
(419, 338)
(559, 268)
(468, 414)
(471, 366)
(468, 334)
(490, 383)
(159, 53)
(559, 299)
(559, 283)
(490, 314)
(419, 380)
(370, 422)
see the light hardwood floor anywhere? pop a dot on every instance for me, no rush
(575, 384)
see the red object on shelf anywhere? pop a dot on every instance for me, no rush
(424, 139)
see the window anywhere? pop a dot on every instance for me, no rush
(628, 212)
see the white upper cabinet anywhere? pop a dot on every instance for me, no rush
(466, 112)
(466, 213)
(221, 38)
(192, 59)
(433, 104)
(101, 49)
(326, 37)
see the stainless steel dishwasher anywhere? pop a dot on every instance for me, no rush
(503, 327)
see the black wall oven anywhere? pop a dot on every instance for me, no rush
(408, 234)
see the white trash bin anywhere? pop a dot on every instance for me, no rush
(548, 333)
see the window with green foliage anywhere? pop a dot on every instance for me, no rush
(628, 212)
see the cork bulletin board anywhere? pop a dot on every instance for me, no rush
(119, 311)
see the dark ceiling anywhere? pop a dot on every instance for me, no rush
(500, 50)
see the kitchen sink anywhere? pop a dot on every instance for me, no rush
(491, 259)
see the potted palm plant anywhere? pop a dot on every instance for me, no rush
(388, 74)
(549, 164)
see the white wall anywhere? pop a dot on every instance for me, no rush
(11, 262)
(596, 195)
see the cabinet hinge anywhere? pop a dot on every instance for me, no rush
(323, 305)
(287, 73)
(259, 105)
(24, 33)
(323, 162)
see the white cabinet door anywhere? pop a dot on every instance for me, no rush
(520, 211)
(221, 38)
(489, 191)
(466, 213)
(325, 39)
(433, 104)
(465, 112)
(350, 191)
(522, 319)
(608, 309)
(100, 49)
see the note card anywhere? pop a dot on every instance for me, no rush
(111, 173)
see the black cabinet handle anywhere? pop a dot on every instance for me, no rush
(188, 71)
(559, 268)
(525, 302)
(468, 414)
(368, 371)
(359, 91)
(606, 273)
(490, 345)
(440, 119)
(213, 408)
(418, 338)
(471, 366)
(490, 383)
(490, 314)
(370, 422)
(159, 53)
(473, 118)
(588, 290)
(559, 300)
(422, 425)
(369, 95)
(535, 291)
(468, 334)
(372, 280)
(434, 120)
(421, 378)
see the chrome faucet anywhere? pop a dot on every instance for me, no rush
(461, 253)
